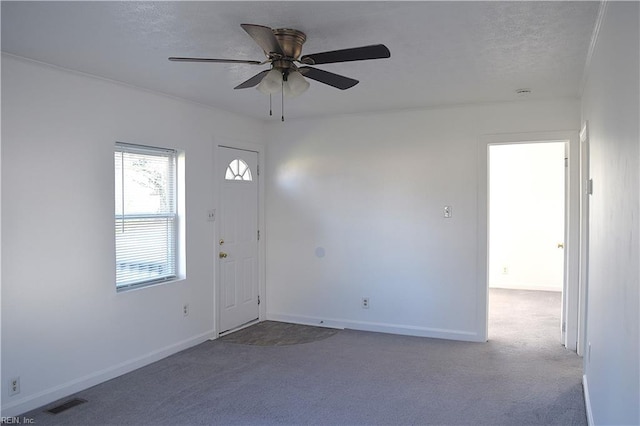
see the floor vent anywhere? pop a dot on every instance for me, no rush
(65, 406)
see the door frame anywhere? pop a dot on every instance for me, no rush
(217, 172)
(572, 228)
(585, 195)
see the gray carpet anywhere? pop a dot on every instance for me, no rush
(520, 377)
(521, 317)
(272, 333)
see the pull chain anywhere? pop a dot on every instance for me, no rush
(270, 109)
(282, 92)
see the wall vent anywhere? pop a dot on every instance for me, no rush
(66, 405)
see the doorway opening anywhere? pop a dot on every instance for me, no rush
(527, 202)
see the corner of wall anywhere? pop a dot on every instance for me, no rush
(587, 400)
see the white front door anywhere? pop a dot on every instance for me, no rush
(238, 238)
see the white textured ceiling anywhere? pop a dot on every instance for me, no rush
(441, 52)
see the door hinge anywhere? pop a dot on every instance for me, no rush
(258, 235)
(566, 162)
(590, 187)
(258, 299)
(564, 327)
(258, 169)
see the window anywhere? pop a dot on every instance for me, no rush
(238, 170)
(145, 215)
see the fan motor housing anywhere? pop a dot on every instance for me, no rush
(291, 41)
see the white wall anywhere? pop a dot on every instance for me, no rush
(610, 104)
(64, 327)
(526, 216)
(368, 191)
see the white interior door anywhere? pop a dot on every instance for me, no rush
(238, 238)
(566, 280)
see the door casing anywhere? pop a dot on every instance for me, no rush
(585, 194)
(572, 253)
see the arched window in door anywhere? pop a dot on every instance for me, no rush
(238, 170)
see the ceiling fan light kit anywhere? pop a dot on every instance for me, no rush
(271, 83)
(283, 47)
(295, 84)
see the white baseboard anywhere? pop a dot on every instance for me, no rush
(527, 287)
(30, 402)
(587, 401)
(407, 330)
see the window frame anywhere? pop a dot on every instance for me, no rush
(171, 217)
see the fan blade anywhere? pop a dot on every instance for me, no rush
(264, 37)
(375, 51)
(338, 81)
(253, 81)
(221, 61)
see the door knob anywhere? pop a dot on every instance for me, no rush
(222, 255)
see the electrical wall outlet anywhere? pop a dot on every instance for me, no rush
(185, 309)
(14, 386)
(505, 270)
(365, 303)
(446, 212)
(211, 215)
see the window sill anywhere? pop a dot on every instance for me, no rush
(151, 285)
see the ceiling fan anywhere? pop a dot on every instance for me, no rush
(283, 47)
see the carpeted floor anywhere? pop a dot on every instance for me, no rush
(520, 377)
(272, 333)
(522, 317)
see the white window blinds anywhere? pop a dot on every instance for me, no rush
(145, 215)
